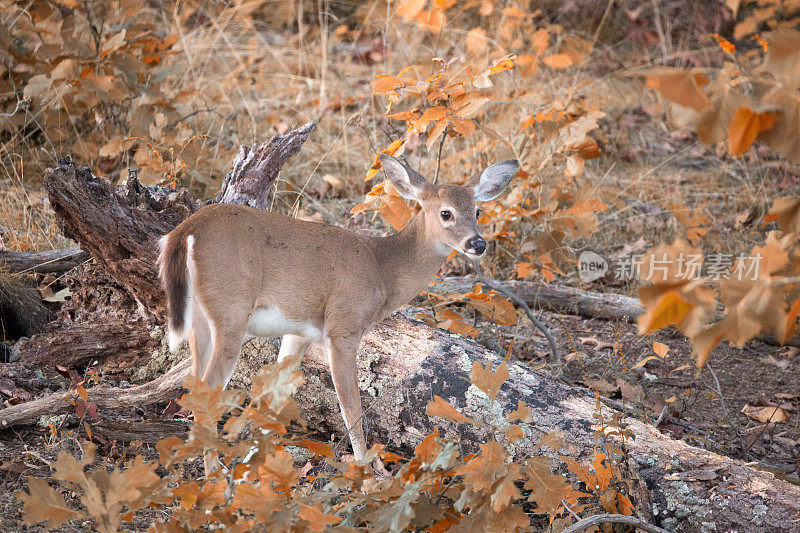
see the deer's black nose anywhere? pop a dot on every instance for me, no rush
(476, 245)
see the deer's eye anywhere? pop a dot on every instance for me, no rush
(446, 215)
(477, 213)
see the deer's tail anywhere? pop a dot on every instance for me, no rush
(176, 249)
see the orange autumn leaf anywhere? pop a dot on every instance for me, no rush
(432, 19)
(681, 87)
(316, 518)
(394, 149)
(501, 65)
(670, 309)
(791, 320)
(498, 310)
(436, 131)
(745, 127)
(187, 492)
(409, 9)
(488, 381)
(385, 84)
(476, 41)
(464, 126)
(524, 270)
(725, 44)
(558, 61)
(441, 407)
(316, 447)
(395, 211)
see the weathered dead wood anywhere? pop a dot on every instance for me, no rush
(48, 262)
(404, 363)
(21, 382)
(21, 310)
(148, 432)
(119, 229)
(255, 169)
(80, 344)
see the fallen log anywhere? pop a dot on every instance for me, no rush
(47, 262)
(557, 298)
(148, 432)
(160, 389)
(404, 363)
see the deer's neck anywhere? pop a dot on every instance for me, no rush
(409, 260)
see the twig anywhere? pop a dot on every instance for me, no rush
(92, 27)
(734, 421)
(608, 518)
(602, 22)
(786, 469)
(660, 417)
(524, 306)
(439, 159)
(20, 103)
(570, 511)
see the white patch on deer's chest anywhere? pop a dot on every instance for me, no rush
(270, 322)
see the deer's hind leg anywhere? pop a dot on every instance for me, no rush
(228, 334)
(292, 345)
(201, 342)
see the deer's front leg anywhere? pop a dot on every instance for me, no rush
(342, 360)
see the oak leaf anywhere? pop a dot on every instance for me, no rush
(476, 41)
(42, 503)
(680, 87)
(317, 519)
(765, 414)
(441, 407)
(488, 381)
(745, 127)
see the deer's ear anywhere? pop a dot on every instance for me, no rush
(491, 182)
(407, 182)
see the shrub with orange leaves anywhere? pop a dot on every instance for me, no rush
(760, 292)
(727, 109)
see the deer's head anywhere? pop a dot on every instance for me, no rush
(451, 215)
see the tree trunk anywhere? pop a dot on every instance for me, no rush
(557, 298)
(255, 169)
(404, 363)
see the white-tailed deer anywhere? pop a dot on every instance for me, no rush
(232, 273)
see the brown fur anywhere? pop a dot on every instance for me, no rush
(173, 274)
